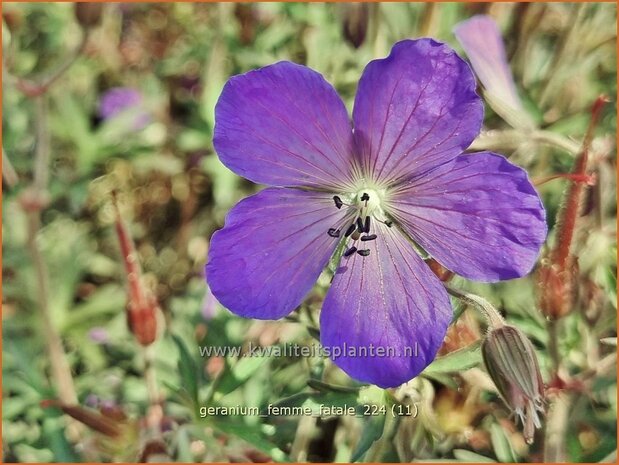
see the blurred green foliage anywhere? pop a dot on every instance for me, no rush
(174, 193)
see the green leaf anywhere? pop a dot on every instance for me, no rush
(443, 378)
(372, 432)
(326, 387)
(501, 445)
(237, 373)
(464, 455)
(252, 436)
(458, 360)
(187, 369)
(54, 433)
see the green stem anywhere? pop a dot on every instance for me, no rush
(8, 172)
(154, 413)
(492, 315)
(553, 344)
(513, 138)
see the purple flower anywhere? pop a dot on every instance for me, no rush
(209, 305)
(119, 100)
(99, 335)
(397, 179)
(481, 40)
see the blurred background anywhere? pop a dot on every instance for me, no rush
(108, 115)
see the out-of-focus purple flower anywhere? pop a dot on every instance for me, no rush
(99, 335)
(481, 39)
(92, 401)
(120, 100)
(209, 305)
(398, 176)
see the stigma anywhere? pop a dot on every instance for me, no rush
(365, 206)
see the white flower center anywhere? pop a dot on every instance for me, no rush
(359, 233)
(368, 201)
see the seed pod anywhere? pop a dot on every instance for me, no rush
(142, 319)
(557, 288)
(355, 19)
(512, 364)
(94, 420)
(142, 307)
(88, 14)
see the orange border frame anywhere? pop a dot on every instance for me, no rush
(289, 1)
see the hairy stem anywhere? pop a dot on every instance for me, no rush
(513, 138)
(553, 344)
(571, 208)
(61, 371)
(556, 429)
(492, 315)
(39, 87)
(154, 414)
(8, 172)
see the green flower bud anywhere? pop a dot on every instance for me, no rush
(511, 362)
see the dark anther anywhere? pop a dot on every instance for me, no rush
(338, 201)
(350, 230)
(388, 223)
(333, 232)
(360, 225)
(371, 237)
(366, 226)
(350, 251)
(365, 197)
(364, 252)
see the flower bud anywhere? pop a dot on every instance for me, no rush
(512, 364)
(355, 19)
(32, 199)
(142, 319)
(556, 288)
(88, 14)
(94, 420)
(142, 307)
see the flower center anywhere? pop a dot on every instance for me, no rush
(368, 201)
(366, 204)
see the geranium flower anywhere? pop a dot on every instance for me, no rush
(120, 100)
(395, 178)
(481, 39)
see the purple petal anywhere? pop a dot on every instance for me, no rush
(98, 335)
(284, 125)
(481, 40)
(271, 251)
(415, 110)
(119, 100)
(209, 305)
(389, 299)
(479, 217)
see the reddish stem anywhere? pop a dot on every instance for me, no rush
(142, 306)
(573, 200)
(584, 179)
(130, 258)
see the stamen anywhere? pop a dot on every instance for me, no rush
(338, 201)
(350, 230)
(363, 252)
(366, 226)
(333, 232)
(355, 235)
(350, 251)
(365, 197)
(388, 223)
(371, 237)
(360, 225)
